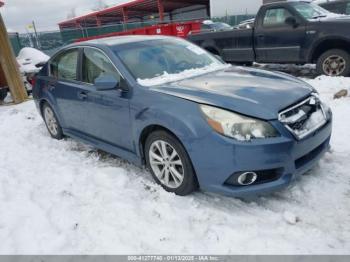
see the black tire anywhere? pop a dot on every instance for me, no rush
(189, 182)
(58, 134)
(321, 66)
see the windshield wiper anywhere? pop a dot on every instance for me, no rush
(318, 16)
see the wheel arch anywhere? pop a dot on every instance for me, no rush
(146, 131)
(328, 44)
(156, 127)
(44, 101)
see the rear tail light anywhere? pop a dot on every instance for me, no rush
(32, 80)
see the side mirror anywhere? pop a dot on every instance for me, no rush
(106, 82)
(291, 21)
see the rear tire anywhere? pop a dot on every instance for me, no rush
(51, 122)
(169, 163)
(334, 62)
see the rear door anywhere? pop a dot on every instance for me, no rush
(277, 41)
(65, 87)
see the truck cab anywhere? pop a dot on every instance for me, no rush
(287, 32)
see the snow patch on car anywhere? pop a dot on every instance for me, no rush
(166, 77)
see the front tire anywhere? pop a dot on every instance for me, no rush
(51, 121)
(169, 163)
(334, 62)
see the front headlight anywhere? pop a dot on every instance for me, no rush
(237, 126)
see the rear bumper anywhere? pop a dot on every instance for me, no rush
(216, 158)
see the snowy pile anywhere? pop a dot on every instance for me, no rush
(29, 57)
(62, 197)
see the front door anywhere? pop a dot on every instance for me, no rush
(276, 40)
(107, 112)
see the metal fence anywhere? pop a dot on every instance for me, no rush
(50, 41)
(234, 19)
(15, 42)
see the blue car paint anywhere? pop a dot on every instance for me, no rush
(175, 107)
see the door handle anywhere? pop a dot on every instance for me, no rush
(82, 95)
(261, 36)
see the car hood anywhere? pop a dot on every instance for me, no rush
(254, 92)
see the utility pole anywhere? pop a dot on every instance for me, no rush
(9, 65)
(36, 36)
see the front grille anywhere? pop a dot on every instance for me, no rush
(304, 118)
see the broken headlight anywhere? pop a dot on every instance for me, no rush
(237, 126)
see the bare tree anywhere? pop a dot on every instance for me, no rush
(71, 13)
(100, 5)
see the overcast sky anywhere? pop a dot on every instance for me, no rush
(46, 13)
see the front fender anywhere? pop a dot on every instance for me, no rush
(179, 116)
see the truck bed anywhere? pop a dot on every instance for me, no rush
(234, 45)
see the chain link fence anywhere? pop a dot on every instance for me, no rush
(15, 42)
(50, 41)
(234, 19)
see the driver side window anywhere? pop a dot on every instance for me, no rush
(96, 64)
(276, 17)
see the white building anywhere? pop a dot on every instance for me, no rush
(234, 7)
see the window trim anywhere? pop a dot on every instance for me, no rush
(80, 49)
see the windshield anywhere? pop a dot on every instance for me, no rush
(166, 57)
(310, 11)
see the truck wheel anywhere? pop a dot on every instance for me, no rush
(334, 62)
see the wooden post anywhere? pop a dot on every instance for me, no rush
(9, 65)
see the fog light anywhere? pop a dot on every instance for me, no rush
(247, 178)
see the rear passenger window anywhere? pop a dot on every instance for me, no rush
(65, 65)
(276, 16)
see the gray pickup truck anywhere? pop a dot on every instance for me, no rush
(286, 32)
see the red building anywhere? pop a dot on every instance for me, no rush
(142, 11)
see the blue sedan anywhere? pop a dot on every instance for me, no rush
(194, 121)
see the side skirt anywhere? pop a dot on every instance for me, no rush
(122, 153)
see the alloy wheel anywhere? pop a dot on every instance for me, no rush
(51, 121)
(166, 164)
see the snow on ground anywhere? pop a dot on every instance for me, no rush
(307, 71)
(63, 197)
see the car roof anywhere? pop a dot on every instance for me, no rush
(120, 40)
